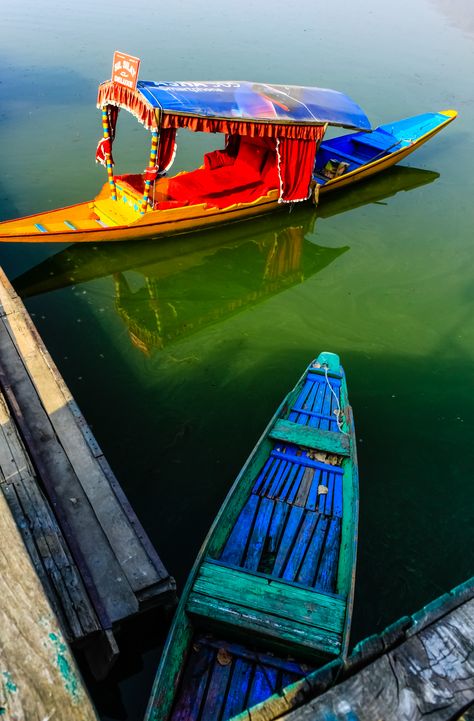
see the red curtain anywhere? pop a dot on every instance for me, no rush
(166, 149)
(295, 167)
(112, 115)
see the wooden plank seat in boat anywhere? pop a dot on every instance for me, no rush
(268, 608)
(367, 143)
(339, 154)
(377, 140)
(309, 437)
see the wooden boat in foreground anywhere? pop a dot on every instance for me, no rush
(270, 596)
(273, 153)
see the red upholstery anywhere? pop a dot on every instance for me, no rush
(167, 204)
(135, 181)
(216, 159)
(225, 181)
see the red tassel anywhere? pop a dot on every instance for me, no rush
(151, 173)
(104, 149)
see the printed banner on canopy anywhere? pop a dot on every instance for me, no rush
(260, 102)
(125, 70)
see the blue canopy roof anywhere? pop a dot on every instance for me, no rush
(255, 102)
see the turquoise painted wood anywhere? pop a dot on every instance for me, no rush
(270, 596)
(328, 441)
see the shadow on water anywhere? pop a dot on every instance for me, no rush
(415, 495)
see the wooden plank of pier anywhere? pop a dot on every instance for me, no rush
(39, 679)
(420, 667)
(83, 523)
(42, 536)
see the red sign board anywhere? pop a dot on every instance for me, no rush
(125, 70)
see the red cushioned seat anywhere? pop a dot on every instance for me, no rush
(225, 180)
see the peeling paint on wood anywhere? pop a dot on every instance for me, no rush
(39, 678)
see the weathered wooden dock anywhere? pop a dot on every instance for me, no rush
(39, 679)
(420, 667)
(94, 559)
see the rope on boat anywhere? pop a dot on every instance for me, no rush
(338, 412)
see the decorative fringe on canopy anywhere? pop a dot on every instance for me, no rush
(241, 127)
(111, 93)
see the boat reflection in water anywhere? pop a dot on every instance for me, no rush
(233, 277)
(189, 282)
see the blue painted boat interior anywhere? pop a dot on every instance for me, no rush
(290, 526)
(288, 529)
(358, 149)
(222, 679)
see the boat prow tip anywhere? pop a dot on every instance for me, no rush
(328, 359)
(449, 113)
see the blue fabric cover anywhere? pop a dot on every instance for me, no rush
(241, 100)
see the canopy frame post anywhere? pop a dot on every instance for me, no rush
(108, 156)
(155, 137)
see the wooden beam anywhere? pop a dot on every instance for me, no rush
(310, 437)
(39, 679)
(42, 536)
(277, 598)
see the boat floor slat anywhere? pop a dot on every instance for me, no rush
(300, 548)
(263, 681)
(237, 693)
(326, 578)
(306, 573)
(260, 531)
(234, 549)
(293, 478)
(221, 679)
(275, 538)
(295, 520)
(195, 682)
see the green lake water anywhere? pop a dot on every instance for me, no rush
(179, 351)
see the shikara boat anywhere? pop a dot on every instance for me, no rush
(270, 596)
(285, 242)
(273, 154)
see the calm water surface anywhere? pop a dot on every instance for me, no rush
(178, 352)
